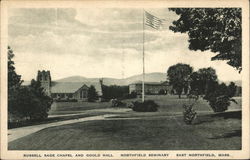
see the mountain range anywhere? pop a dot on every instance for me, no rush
(149, 77)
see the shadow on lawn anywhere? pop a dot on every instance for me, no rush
(235, 133)
(226, 115)
(212, 117)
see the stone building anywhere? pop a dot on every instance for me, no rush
(150, 87)
(45, 80)
(65, 90)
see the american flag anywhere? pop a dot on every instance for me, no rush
(153, 21)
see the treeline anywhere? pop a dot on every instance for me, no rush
(116, 92)
(204, 83)
(25, 102)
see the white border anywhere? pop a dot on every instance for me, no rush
(244, 4)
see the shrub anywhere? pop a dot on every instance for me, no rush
(219, 98)
(189, 113)
(117, 103)
(220, 104)
(146, 106)
(162, 92)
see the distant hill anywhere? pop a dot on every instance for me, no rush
(149, 77)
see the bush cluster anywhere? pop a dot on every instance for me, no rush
(146, 106)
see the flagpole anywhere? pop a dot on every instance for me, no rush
(143, 63)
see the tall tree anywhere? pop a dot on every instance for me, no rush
(92, 94)
(14, 80)
(179, 76)
(216, 29)
(14, 83)
(203, 78)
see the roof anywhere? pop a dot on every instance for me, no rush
(65, 87)
(151, 83)
(72, 87)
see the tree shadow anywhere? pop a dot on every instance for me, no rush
(213, 117)
(230, 114)
(234, 133)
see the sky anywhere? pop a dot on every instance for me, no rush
(103, 42)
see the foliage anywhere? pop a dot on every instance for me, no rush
(215, 29)
(92, 94)
(31, 102)
(146, 106)
(131, 95)
(200, 80)
(178, 76)
(219, 98)
(232, 89)
(117, 103)
(114, 91)
(189, 114)
(14, 80)
(65, 100)
(14, 83)
(162, 92)
(25, 102)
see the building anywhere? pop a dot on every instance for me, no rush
(45, 80)
(70, 90)
(150, 87)
(66, 90)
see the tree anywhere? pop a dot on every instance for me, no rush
(92, 94)
(44, 101)
(218, 97)
(14, 83)
(215, 29)
(179, 76)
(30, 102)
(201, 79)
(114, 91)
(232, 89)
(14, 80)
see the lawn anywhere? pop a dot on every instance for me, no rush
(163, 129)
(168, 103)
(59, 108)
(209, 132)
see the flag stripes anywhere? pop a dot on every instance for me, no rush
(152, 21)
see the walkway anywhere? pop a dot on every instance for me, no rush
(16, 133)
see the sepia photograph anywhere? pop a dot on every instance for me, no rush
(104, 78)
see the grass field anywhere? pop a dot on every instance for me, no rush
(164, 129)
(213, 131)
(168, 103)
(59, 108)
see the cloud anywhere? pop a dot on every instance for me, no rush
(100, 42)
